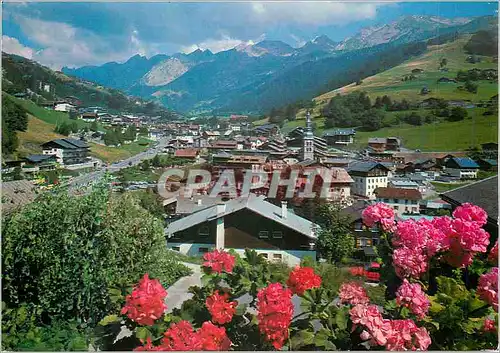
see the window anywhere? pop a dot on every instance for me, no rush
(362, 242)
(277, 234)
(396, 208)
(176, 248)
(375, 241)
(265, 256)
(202, 250)
(277, 256)
(386, 200)
(414, 210)
(264, 234)
(204, 231)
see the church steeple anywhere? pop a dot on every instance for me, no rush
(308, 140)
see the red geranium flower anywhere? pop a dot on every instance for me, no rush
(213, 338)
(146, 303)
(275, 311)
(220, 308)
(181, 337)
(302, 279)
(219, 260)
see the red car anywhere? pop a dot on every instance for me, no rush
(372, 273)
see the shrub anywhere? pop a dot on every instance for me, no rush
(73, 255)
(427, 304)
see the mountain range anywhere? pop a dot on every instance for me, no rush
(252, 78)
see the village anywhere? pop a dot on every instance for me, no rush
(411, 182)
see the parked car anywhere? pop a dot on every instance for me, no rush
(372, 272)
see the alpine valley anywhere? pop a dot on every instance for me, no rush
(254, 78)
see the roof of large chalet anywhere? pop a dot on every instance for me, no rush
(187, 152)
(377, 140)
(36, 158)
(224, 144)
(398, 193)
(68, 143)
(265, 128)
(16, 194)
(414, 156)
(248, 159)
(254, 203)
(341, 132)
(465, 162)
(483, 193)
(362, 166)
(195, 203)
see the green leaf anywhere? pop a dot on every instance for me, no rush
(142, 333)
(341, 320)
(302, 338)
(321, 339)
(110, 319)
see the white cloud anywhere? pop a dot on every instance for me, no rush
(65, 45)
(312, 13)
(12, 46)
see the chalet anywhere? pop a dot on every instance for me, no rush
(446, 80)
(483, 193)
(367, 177)
(364, 236)
(335, 162)
(377, 144)
(403, 184)
(417, 71)
(188, 153)
(402, 201)
(246, 222)
(64, 107)
(89, 117)
(223, 145)
(340, 184)
(47, 105)
(266, 130)
(488, 164)
(463, 168)
(67, 151)
(73, 100)
(211, 135)
(38, 162)
(340, 137)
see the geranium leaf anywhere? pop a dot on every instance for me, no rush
(110, 319)
(142, 333)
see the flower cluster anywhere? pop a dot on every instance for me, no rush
(412, 296)
(357, 271)
(182, 337)
(379, 213)
(395, 335)
(213, 338)
(489, 325)
(458, 238)
(302, 279)
(471, 213)
(487, 288)
(220, 308)
(409, 262)
(493, 255)
(353, 293)
(146, 303)
(275, 311)
(219, 261)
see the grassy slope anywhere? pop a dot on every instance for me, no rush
(478, 129)
(389, 82)
(41, 126)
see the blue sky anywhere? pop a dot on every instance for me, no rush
(77, 34)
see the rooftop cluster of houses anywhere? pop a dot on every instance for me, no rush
(385, 173)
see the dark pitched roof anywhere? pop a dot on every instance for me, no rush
(465, 162)
(68, 143)
(492, 162)
(360, 166)
(397, 193)
(483, 193)
(36, 158)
